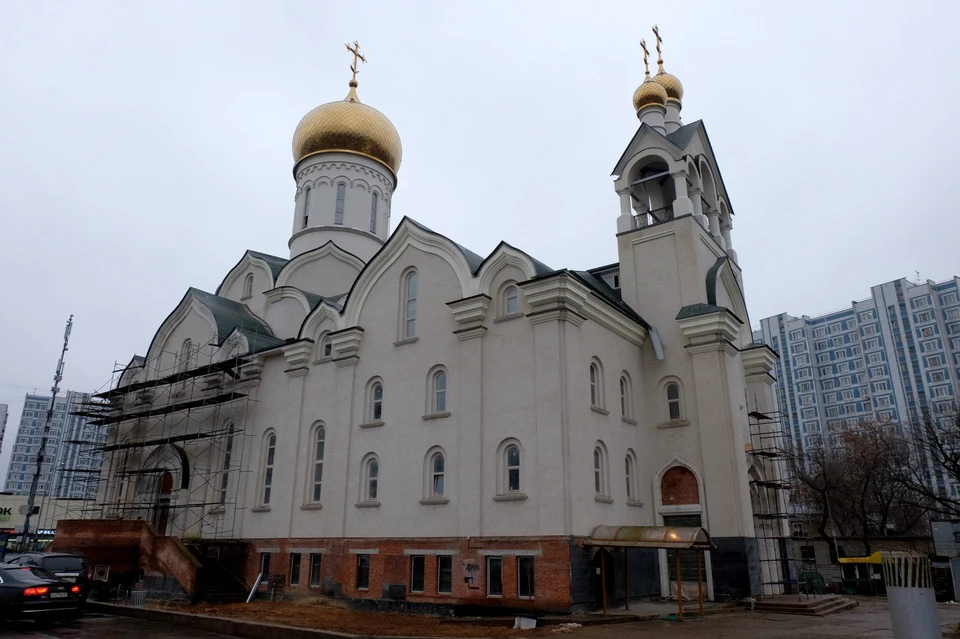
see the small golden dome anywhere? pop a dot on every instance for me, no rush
(348, 126)
(669, 82)
(649, 93)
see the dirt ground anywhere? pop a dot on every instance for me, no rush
(333, 615)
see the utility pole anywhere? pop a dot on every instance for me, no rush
(43, 442)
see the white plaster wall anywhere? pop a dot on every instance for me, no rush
(194, 327)
(327, 275)
(285, 316)
(262, 281)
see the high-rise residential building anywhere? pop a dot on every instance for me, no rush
(73, 456)
(4, 413)
(890, 357)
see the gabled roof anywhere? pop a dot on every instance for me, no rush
(682, 136)
(609, 295)
(230, 315)
(473, 260)
(275, 263)
(257, 341)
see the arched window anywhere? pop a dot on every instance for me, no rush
(186, 351)
(512, 467)
(248, 285)
(227, 458)
(626, 396)
(673, 401)
(436, 475)
(319, 440)
(326, 346)
(409, 305)
(306, 206)
(439, 392)
(375, 402)
(268, 461)
(373, 212)
(596, 384)
(341, 198)
(600, 483)
(630, 473)
(511, 300)
(371, 479)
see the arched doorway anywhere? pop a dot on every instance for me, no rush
(680, 507)
(161, 510)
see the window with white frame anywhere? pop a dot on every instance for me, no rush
(374, 409)
(319, 440)
(306, 207)
(951, 313)
(248, 286)
(867, 315)
(882, 385)
(940, 391)
(948, 298)
(438, 392)
(511, 301)
(600, 481)
(921, 302)
(511, 479)
(801, 359)
(926, 331)
(828, 384)
(823, 358)
(373, 212)
(630, 474)
(802, 373)
(825, 370)
(870, 329)
(805, 386)
(341, 201)
(227, 459)
(875, 358)
(871, 343)
(938, 376)
(833, 411)
(925, 316)
(883, 401)
(930, 345)
(626, 397)
(934, 360)
(878, 371)
(819, 332)
(409, 306)
(437, 472)
(268, 461)
(673, 401)
(370, 481)
(848, 394)
(596, 393)
(794, 335)
(820, 346)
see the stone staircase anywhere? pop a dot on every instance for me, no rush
(817, 606)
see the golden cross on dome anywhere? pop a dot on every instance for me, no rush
(646, 66)
(656, 34)
(355, 50)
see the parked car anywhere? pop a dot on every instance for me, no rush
(64, 566)
(27, 592)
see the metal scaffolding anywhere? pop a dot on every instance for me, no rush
(769, 488)
(176, 430)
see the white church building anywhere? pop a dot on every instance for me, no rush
(385, 414)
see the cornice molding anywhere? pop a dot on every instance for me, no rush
(470, 311)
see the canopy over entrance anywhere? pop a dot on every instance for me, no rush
(649, 537)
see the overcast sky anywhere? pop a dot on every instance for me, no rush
(145, 146)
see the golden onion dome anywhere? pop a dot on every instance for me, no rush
(349, 126)
(670, 83)
(649, 92)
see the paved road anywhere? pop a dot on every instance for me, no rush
(97, 626)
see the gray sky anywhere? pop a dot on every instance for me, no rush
(145, 146)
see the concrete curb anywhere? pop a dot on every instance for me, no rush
(221, 625)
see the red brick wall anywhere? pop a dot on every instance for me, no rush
(391, 565)
(679, 486)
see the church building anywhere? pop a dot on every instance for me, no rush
(384, 414)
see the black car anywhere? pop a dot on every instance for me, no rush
(62, 565)
(27, 592)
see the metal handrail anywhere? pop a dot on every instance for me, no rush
(662, 214)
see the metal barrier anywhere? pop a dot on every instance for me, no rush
(137, 598)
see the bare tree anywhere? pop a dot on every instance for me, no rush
(855, 486)
(935, 447)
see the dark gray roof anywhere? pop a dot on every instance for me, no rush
(258, 341)
(137, 361)
(473, 260)
(693, 310)
(610, 295)
(230, 315)
(275, 263)
(335, 301)
(682, 136)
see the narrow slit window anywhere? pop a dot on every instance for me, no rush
(436, 475)
(416, 573)
(439, 392)
(268, 468)
(513, 468)
(318, 463)
(373, 479)
(376, 402)
(341, 197)
(410, 307)
(594, 385)
(673, 400)
(306, 207)
(444, 574)
(373, 213)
